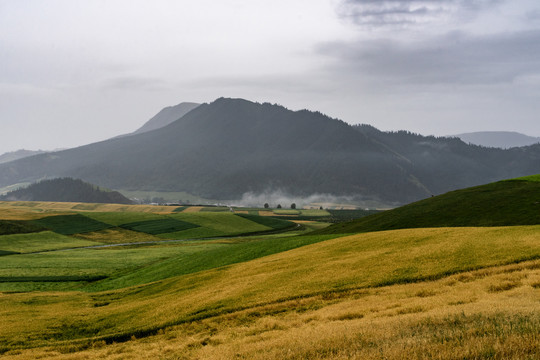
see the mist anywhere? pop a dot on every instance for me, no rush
(279, 197)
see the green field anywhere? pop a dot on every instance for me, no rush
(41, 241)
(70, 224)
(159, 226)
(18, 227)
(273, 223)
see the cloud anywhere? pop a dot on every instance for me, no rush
(453, 58)
(409, 13)
(135, 82)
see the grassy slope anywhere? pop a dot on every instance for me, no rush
(486, 314)
(503, 203)
(42, 241)
(331, 267)
(272, 223)
(70, 224)
(535, 178)
(18, 227)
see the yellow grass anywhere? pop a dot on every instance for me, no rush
(456, 317)
(348, 265)
(117, 235)
(25, 208)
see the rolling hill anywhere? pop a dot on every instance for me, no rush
(231, 147)
(65, 190)
(504, 203)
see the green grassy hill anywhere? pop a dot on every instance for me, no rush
(504, 203)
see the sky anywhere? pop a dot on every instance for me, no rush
(74, 72)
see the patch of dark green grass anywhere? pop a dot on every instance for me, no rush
(4, 252)
(271, 222)
(180, 209)
(8, 227)
(70, 224)
(159, 226)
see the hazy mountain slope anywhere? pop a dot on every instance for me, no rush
(442, 164)
(19, 154)
(499, 139)
(65, 190)
(167, 116)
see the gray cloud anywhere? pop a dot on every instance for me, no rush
(135, 83)
(452, 58)
(406, 13)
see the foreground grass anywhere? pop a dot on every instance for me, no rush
(484, 314)
(347, 265)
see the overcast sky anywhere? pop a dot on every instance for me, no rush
(78, 71)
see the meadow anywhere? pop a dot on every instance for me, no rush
(207, 283)
(304, 302)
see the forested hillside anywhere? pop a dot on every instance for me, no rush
(65, 190)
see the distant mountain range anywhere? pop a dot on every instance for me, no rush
(231, 147)
(19, 154)
(65, 190)
(498, 139)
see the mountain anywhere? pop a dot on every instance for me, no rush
(498, 139)
(167, 116)
(503, 203)
(65, 190)
(231, 147)
(442, 164)
(19, 154)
